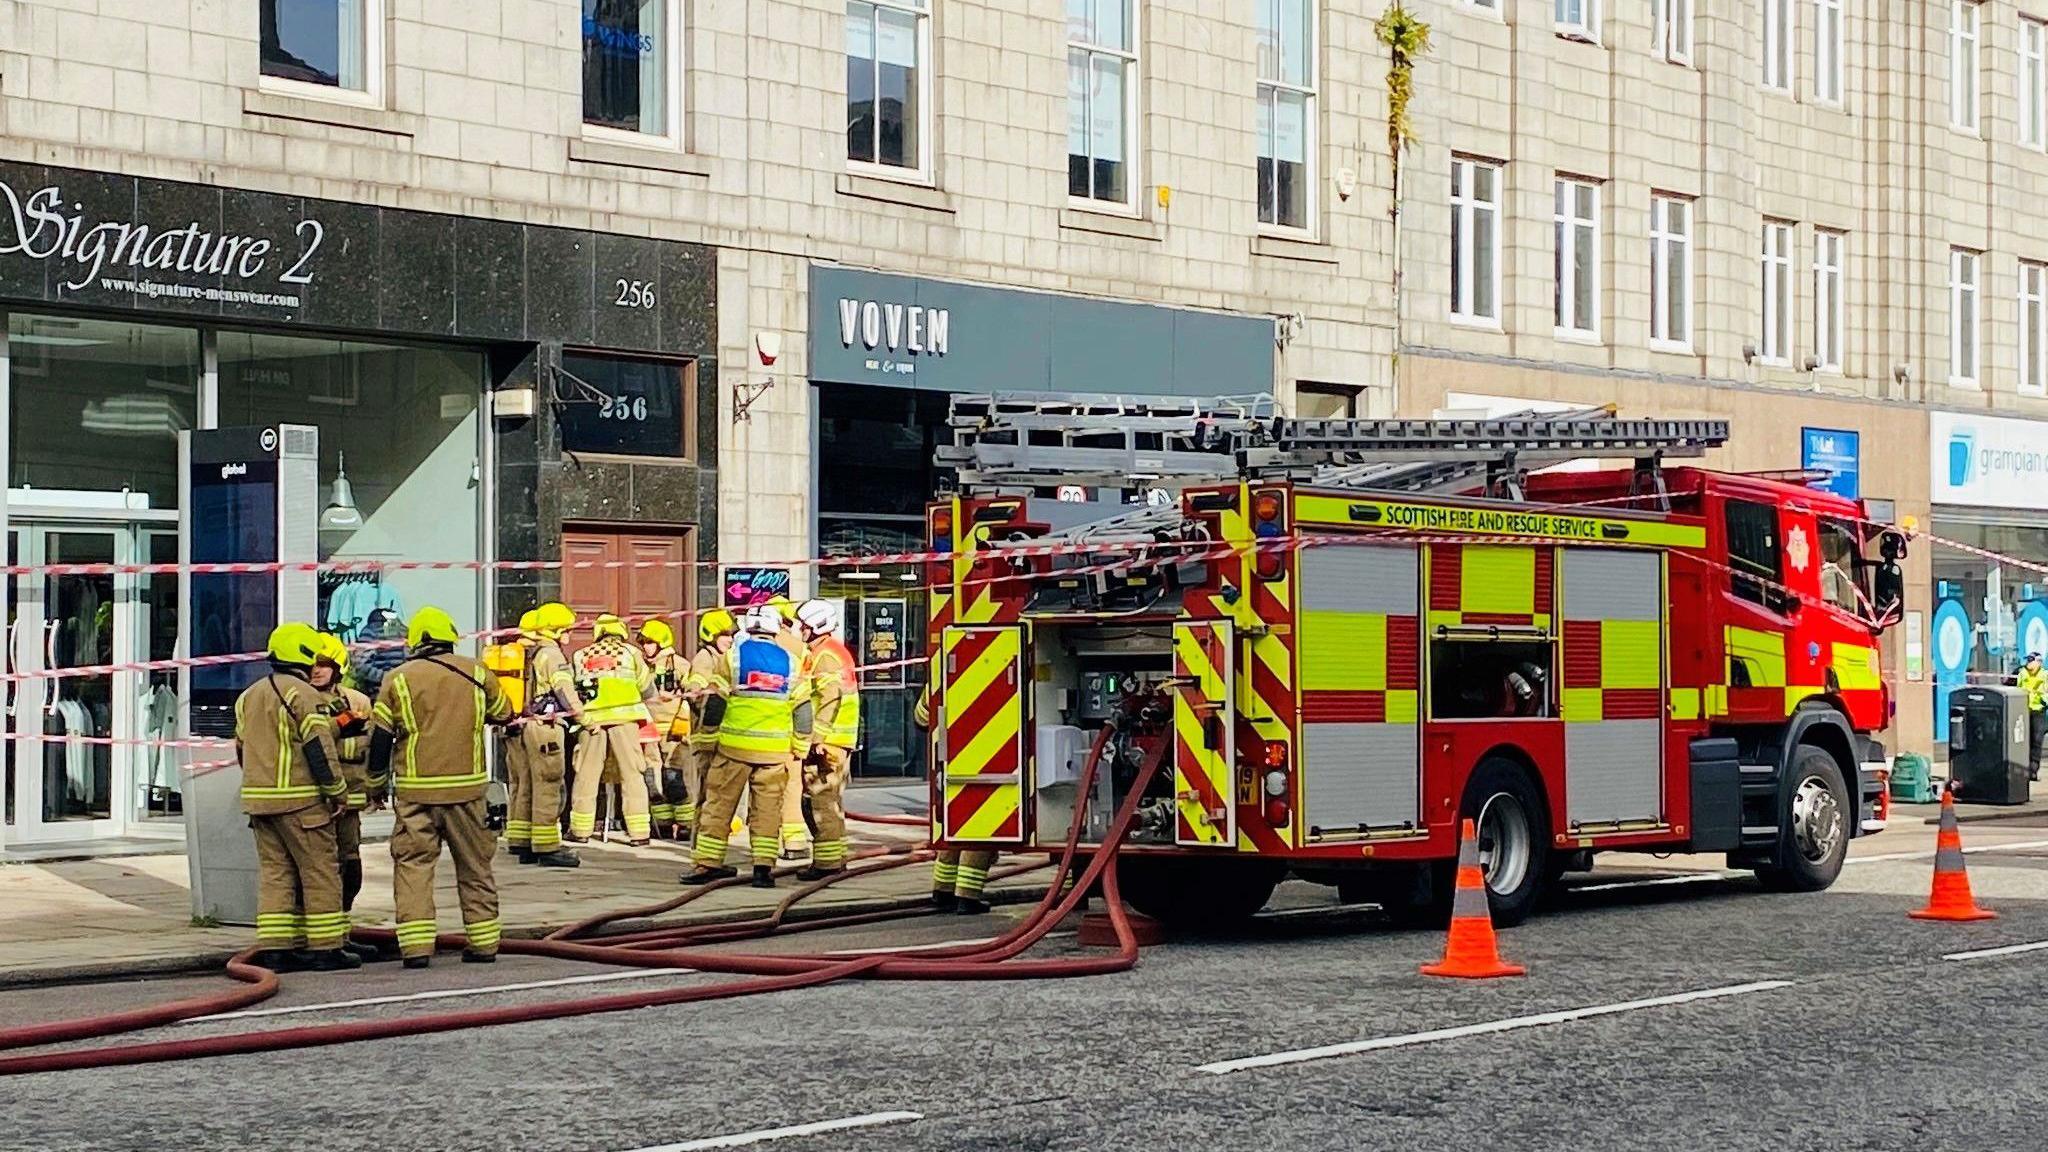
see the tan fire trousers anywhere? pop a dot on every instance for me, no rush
(726, 779)
(534, 763)
(298, 881)
(825, 780)
(964, 874)
(416, 839)
(617, 746)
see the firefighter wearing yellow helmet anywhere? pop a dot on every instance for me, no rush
(763, 724)
(705, 685)
(535, 751)
(670, 748)
(349, 709)
(795, 835)
(616, 685)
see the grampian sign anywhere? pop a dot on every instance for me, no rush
(167, 258)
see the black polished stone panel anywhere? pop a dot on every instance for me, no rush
(348, 289)
(416, 252)
(689, 299)
(178, 221)
(300, 251)
(559, 286)
(490, 279)
(105, 204)
(595, 490)
(706, 448)
(22, 275)
(628, 292)
(665, 493)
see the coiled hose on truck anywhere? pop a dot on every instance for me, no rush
(989, 960)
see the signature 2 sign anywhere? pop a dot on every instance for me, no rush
(150, 260)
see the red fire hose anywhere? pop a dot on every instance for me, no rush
(984, 961)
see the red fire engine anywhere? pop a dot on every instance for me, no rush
(1355, 633)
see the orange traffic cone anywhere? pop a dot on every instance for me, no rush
(1470, 952)
(1951, 899)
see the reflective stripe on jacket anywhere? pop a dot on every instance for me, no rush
(760, 711)
(2034, 682)
(435, 708)
(835, 693)
(621, 677)
(274, 717)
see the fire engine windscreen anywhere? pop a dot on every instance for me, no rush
(1088, 674)
(1478, 674)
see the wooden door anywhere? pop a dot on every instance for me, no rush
(635, 572)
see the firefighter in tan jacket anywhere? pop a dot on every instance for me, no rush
(834, 688)
(292, 792)
(428, 750)
(705, 686)
(535, 756)
(350, 712)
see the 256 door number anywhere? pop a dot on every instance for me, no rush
(634, 293)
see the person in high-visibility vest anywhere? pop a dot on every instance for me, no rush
(665, 757)
(763, 724)
(706, 686)
(794, 832)
(616, 686)
(959, 877)
(2033, 680)
(834, 687)
(350, 711)
(536, 750)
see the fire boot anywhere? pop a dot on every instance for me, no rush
(764, 876)
(944, 900)
(812, 872)
(559, 858)
(274, 960)
(972, 906)
(707, 875)
(521, 854)
(418, 961)
(367, 953)
(331, 960)
(471, 957)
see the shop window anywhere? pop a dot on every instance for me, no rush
(626, 407)
(1754, 552)
(1478, 677)
(335, 45)
(631, 70)
(399, 467)
(95, 408)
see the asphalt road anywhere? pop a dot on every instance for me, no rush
(1703, 1015)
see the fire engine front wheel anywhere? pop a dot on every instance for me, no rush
(1197, 893)
(1813, 823)
(1514, 837)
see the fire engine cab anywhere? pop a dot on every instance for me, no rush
(1350, 634)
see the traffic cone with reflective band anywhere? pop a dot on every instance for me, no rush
(1950, 899)
(1470, 952)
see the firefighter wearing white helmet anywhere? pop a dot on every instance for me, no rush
(763, 724)
(833, 686)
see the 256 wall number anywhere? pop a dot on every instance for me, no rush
(635, 293)
(620, 408)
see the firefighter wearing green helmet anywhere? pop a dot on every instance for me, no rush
(427, 749)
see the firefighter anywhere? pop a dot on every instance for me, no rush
(705, 683)
(2033, 680)
(349, 710)
(538, 740)
(764, 722)
(670, 750)
(958, 878)
(615, 684)
(292, 791)
(794, 832)
(427, 750)
(834, 691)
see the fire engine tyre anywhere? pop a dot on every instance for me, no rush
(1514, 838)
(1197, 893)
(1813, 823)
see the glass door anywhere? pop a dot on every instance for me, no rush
(155, 601)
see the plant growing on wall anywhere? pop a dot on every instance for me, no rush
(1407, 40)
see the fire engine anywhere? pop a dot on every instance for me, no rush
(1355, 633)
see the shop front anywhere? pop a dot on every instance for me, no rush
(886, 355)
(414, 345)
(1989, 524)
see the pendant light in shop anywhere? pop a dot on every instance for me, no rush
(341, 514)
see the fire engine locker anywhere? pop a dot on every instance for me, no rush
(1359, 671)
(1613, 690)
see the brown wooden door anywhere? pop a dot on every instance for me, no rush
(659, 586)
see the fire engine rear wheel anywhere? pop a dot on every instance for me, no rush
(1195, 893)
(1813, 825)
(1514, 837)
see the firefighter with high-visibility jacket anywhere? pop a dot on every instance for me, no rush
(350, 711)
(536, 750)
(2033, 680)
(959, 877)
(671, 748)
(706, 687)
(834, 688)
(616, 685)
(795, 834)
(292, 791)
(765, 721)
(427, 751)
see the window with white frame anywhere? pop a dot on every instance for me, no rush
(1287, 112)
(1827, 299)
(2033, 83)
(1575, 216)
(2033, 328)
(1774, 262)
(1963, 344)
(335, 45)
(888, 84)
(1672, 36)
(1102, 90)
(1827, 50)
(1963, 17)
(1475, 240)
(1670, 271)
(1779, 39)
(1579, 18)
(632, 78)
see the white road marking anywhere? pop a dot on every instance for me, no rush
(1653, 882)
(1929, 854)
(910, 947)
(1224, 1067)
(1721, 874)
(742, 1139)
(445, 994)
(1988, 953)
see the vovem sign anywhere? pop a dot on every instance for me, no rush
(1988, 461)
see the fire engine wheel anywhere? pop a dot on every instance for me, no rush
(1514, 838)
(1196, 893)
(1813, 821)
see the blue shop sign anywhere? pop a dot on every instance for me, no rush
(1835, 452)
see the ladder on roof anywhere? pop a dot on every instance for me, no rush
(1134, 443)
